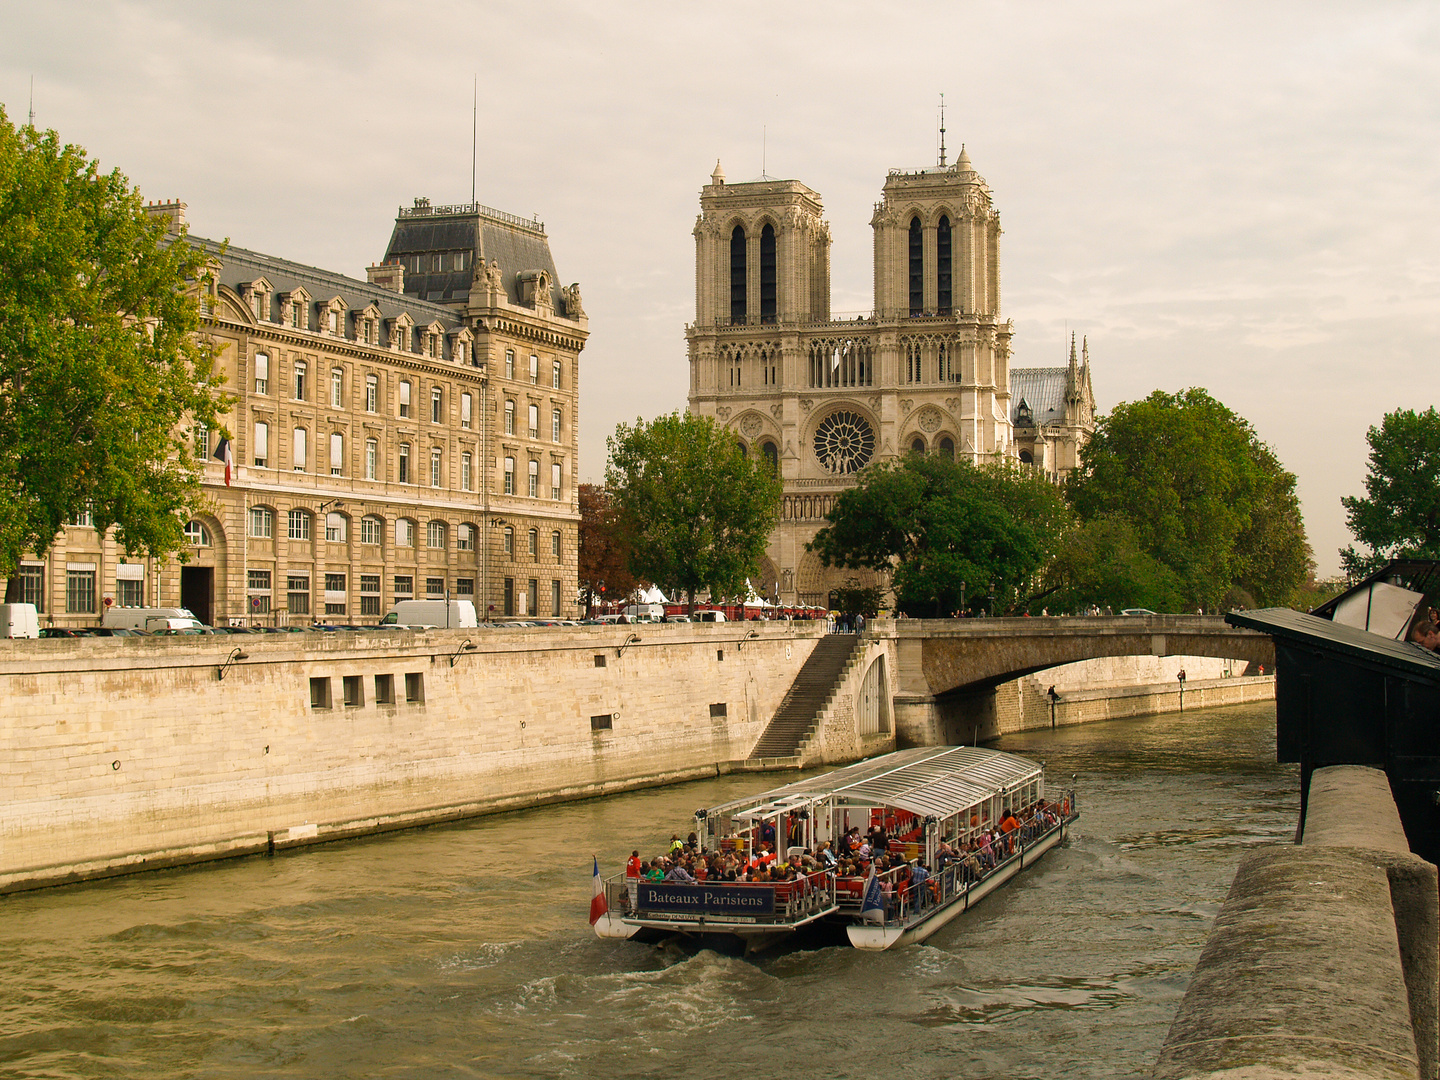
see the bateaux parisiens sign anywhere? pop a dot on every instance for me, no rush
(706, 899)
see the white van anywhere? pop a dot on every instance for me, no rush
(645, 612)
(19, 620)
(151, 618)
(457, 614)
(708, 616)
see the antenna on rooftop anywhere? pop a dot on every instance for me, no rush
(32, 101)
(474, 129)
(942, 131)
(764, 145)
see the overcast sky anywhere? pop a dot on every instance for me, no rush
(1243, 197)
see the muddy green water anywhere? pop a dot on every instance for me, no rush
(464, 951)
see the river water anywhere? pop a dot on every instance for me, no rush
(464, 951)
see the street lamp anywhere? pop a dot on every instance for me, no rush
(990, 600)
(962, 598)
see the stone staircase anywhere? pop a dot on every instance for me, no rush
(794, 722)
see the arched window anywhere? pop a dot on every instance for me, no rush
(465, 471)
(947, 448)
(534, 489)
(435, 534)
(197, 534)
(744, 452)
(555, 544)
(372, 458)
(509, 476)
(1027, 458)
(917, 445)
(465, 538)
(534, 543)
(508, 541)
(298, 452)
(370, 528)
(404, 532)
(737, 276)
(772, 455)
(337, 528)
(299, 522)
(917, 268)
(767, 274)
(943, 266)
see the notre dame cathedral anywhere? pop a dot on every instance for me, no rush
(926, 371)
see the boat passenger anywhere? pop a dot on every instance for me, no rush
(634, 867)
(919, 877)
(675, 843)
(679, 873)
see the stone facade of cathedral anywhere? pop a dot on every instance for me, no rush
(926, 371)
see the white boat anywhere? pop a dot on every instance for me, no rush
(928, 800)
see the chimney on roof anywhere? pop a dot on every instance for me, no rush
(174, 209)
(390, 275)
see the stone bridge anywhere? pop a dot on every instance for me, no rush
(946, 670)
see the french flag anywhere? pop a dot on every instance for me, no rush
(598, 907)
(224, 453)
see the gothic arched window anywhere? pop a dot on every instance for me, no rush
(772, 455)
(942, 266)
(737, 276)
(917, 268)
(767, 274)
(947, 448)
(917, 446)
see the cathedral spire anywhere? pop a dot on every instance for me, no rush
(718, 176)
(942, 131)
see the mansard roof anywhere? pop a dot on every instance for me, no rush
(239, 266)
(1043, 389)
(517, 244)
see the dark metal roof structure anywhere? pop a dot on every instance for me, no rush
(1359, 646)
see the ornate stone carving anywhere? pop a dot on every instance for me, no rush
(573, 308)
(723, 412)
(806, 404)
(750, 425)
(930, 419)
(906, 404)
(952, 403)
(777, 410)
(844, 442)
(875, 402)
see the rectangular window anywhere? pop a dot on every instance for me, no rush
(297, 594)
(299, 453)
(434, 468)
(337, 453)
(435, 534)
(554, 425)
(130, 592)
(262, 522)
(465, 472)
(262, 445)
(509, 417)
(599, 659)
(262, 373)
(436, 402)
(509, 476)
(404, 586)
(404, 532)
(369, 605)
(337, 386)
(404, 463)
(534, 489)
(353, 689)
(372, 458)
(415, 687)
(372, 394)
(404, 398)
(334, 583)
(369, 583)
(555, 544)
(534, 421)
(201, 434)
(600, 722)
(257, 580)
(299, 369)
(297, 314)
(320, 692)
(334, 321)
(534, 368)
(533, 595)
(555, 598)
(534, 536)
(507, 541)
(510, 363)
(370, 534)
(555, 374)
(82, 519)
(464, 586)
(465, 538)
(32, 586)
(335, 528)
(334, 609)
(508, 595)
(435, 588)
(465, 401)
(299, 525)
(718, 710)
(384, 689)
(555, 480)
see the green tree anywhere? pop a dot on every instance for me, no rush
(1101, 562)
(938, 522)
(101, 367)
(696, 511)
(1400, 513)
(1205, 498)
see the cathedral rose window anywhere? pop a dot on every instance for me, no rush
(844, 442)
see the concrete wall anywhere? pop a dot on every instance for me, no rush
(1323, 959)
(117, 753)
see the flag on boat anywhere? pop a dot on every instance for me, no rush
(598, 907)
(223, 453)
(873, 906)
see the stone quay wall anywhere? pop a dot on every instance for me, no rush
(120, 754)
(1323, 959)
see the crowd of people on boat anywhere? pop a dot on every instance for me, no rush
(906, 881)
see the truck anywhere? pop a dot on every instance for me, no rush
(151, 618)
(438, 613)
(19, 621)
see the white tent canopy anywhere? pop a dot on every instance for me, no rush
(652, 595)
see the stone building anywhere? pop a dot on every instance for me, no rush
(926, 370)
(412, 435)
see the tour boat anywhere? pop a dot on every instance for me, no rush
(955, 796)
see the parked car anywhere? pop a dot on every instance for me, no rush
(677, 618)
(1137, 611)
(60, 632)
(113, 631)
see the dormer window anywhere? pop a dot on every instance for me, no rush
(259, 299)
(297, 314)
(1023, 414)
